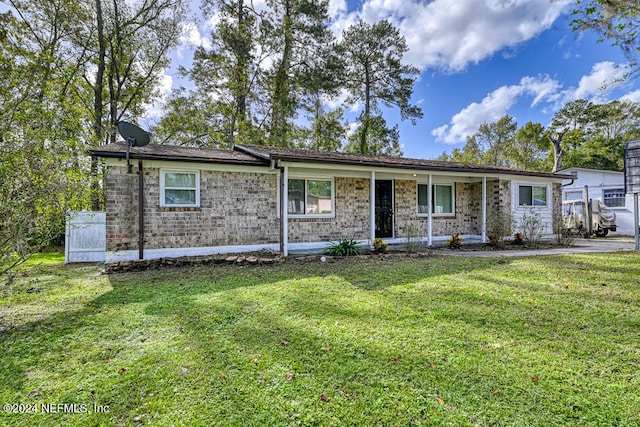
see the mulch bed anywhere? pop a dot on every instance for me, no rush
(268, 258)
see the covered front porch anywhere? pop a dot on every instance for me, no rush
(394, 205)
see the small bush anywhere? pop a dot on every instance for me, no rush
(500, 226)
(345, 247)
(564, 236)
(380, 246)
(532, 227)
(413, 236)
(493, 239)
(518, 239)
(455, 241)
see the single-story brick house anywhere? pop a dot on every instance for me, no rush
(200, 201)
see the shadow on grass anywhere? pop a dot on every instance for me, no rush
(373, 336)
(171, 295)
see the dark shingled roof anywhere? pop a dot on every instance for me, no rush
(255, 155)
(298, 155)
(178, 153)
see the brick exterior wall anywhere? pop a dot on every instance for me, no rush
(465, 221)
(240, 208)
(556, 196)
(351, 220)
(499, 196)
(121, 209)
(236, 208)
(468, 207)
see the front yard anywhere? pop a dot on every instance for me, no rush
(433, 341)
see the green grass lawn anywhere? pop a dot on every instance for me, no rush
(538, 341)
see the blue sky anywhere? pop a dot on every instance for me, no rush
(479, 60)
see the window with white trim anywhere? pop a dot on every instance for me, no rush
(443, 199)
(312, 197)
(179, 188)
(614, 197)
(532, 195)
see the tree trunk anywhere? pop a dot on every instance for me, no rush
(240, 78)
(367, 112)
(558, 151)
(280, 91)
(112, 76)
(317, 104)
(97, 107)
(241, 68)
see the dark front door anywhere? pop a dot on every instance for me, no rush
(384, 208)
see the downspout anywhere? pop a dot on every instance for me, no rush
(284, 212)
(484, 209)
(636, 221)
(140, 211)
(372, 206)
(429, 211)
(280, 205)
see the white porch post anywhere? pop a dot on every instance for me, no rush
(429, 211)
(284, 212)
(484, 209)
(372, 207)
(636, 220)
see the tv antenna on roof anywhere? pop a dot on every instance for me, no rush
(134, 137)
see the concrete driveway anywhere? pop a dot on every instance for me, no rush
(602, 244)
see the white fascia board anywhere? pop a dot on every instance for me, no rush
(323, 172)
(336, 170)
(532, 180)
(589, 170)
(346, 170)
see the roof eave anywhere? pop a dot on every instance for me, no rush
(139, 156)
(436, 168)
(264, 159)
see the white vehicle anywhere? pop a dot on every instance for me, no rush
(603, 219)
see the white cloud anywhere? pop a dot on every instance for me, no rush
(337, 8)
(603, 78)
(450, 35)
(352, 128)
(213, 21)
(495, 105)
(632, 96)
(259, 5)
(341, 21)
(191, 36)
(154, 110)
(342, 100)
(540, 88)
(334, 102)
